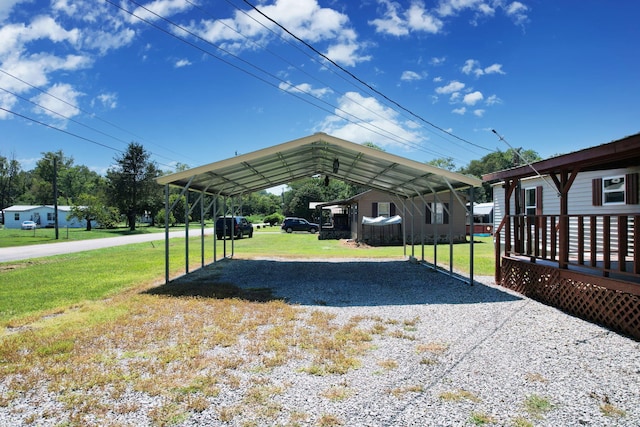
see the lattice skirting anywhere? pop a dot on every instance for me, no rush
(574, 294)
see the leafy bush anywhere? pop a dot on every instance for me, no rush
(160, 216)
(274, 219)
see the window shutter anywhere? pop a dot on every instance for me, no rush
(392, 209)
(539, 210)
(374, 209)
(523, 201)
(427, 213)
(445, 213)
(596, 191)
(631, 188)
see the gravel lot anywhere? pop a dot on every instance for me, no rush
(501, 348)
(450, 354)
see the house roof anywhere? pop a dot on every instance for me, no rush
(319, 154)
(25, 208)
(617, 154)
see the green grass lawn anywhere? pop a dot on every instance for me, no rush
(36, 287)
(10, 237)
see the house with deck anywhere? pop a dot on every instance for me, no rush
(566, 232)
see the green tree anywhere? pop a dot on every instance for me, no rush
(9, 181)
(89, 208)
(41, 188)
(132, 184)
(497, 161)
(446, 163)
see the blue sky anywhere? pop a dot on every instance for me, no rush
(204, 80)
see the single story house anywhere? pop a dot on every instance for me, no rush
(432, 217)
(566, 232)
(43, 216)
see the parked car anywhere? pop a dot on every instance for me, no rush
(240, 228)
(28, 225)
(298, 224)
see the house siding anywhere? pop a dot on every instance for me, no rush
(39, 214)
(412, 212)
(580, 202)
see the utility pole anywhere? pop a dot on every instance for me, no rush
(55, 194)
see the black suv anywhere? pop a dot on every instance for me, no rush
(299, 224)
(242, 227)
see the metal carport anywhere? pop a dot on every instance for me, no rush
(317, 154)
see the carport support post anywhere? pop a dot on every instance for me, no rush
(166, 233)
(471, 253)
(186, 232)
(451, 231)
(202, 229)
(215, 213)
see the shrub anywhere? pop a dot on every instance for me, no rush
(274, 219)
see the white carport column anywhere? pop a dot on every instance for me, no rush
(471, 248)
(166, 233)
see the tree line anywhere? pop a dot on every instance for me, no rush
(129, 190)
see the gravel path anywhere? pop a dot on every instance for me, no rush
(498, 351)
(444, 354)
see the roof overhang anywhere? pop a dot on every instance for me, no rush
(319, 154)
(622, 153)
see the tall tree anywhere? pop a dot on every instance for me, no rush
(497, 161)
(9, 181)
(132, 183)
(43, 176)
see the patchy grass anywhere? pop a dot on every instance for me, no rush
(458, 395)
(480, 419)
(537, 405)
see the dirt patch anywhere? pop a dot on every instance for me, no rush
(351, 243)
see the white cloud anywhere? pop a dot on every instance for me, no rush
(518, 12)
(454, 86)
(107, 100)
(61, 98)
(472, 66)
(390, 23)
(473, 98)
(437, 79)
(5, 8)
(182, 63)
(437, 61)
(408, 76)
(364, 119)
(400, 23)
(420, 20)
(492, 100)
(158, 7)
(304, 88)
(303, 18)
(459, 111)
(346, 54)
(478, 112)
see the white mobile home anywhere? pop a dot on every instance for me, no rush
(566, 232)
(43, 216)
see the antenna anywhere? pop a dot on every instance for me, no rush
(501, 138)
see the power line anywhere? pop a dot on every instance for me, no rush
(368, 126)
(31, 119)
(88, 113)
(331, 70)
(350, 74)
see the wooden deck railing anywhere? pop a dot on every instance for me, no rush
(601, 244)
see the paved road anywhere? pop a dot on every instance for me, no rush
(37, 251)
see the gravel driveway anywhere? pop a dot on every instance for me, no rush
(434, 351)
(466, 354)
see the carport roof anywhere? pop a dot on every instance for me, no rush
(319, 154)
